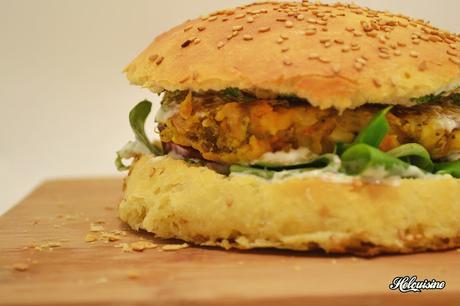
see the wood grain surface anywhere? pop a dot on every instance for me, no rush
(45, 260)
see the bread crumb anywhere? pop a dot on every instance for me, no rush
(124, 246)
(109, 237)
(102, 280)
(96, 227)
(133, 274)
(174, 247)
(70, 217)
(47, 246)
(21, 267)
(90, 237)
(140, 246)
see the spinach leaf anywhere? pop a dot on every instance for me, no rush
(137, 118)
(232, 94)
(361, 157)
(413, 154)
(119, 163)
(452, 168)
(263, 173)
(374, 133)
(427, 99)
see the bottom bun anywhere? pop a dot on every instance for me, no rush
(174, 199)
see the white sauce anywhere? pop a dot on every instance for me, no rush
(448, 124)
(286, 158)
(164, 114)
(454, 157)
(133, 148)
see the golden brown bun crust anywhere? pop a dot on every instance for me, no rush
(174, 200)
(338, 56)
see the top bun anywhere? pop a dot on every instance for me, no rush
(333, 55)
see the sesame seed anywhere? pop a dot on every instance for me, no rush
(197, 41)
(188, 28)
(336, 68)
(281, 19)
(160, 60)
(285, 49)
(453, 46)
(264, 29)
(184, 79)
(220, 44)
(324, 60)
(355, 47)
(153, 57)
(327, 44)
(346, 49)
(310, 32)
(349, 29)
(300, 17)
(240, 16)
(311, 20)
(451, 52)
(288, 24)
(361, 60)
(229, 37)
(186, 43)
(377, 83)
(397, 53)
(414, 54)
(324, 40)
(250, 19)
(416, 41)
(358, 66)
(313, 56)
(401, 44)
(384, 55)
(403, 23)
(237, 28)
(213, 18)
(434, 38)
(455, 60)
(339, 41)
(423, 66)
(287, 62)
(201, 28)
(279, 41)
(284, 36)
(321, 22)
(357, 34)
(247, 37)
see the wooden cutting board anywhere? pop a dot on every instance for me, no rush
(45, 260)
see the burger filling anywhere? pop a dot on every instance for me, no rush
(265, 134)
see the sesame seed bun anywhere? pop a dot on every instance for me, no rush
(339, 56)
(173, 199)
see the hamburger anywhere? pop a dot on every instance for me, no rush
(301, 126)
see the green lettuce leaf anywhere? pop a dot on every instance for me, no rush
(374, 133)
(137, 118)
(414, 154)
(452, 168)
(263, 173)
(361, 157)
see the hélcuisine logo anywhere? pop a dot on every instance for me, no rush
(411, 284)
